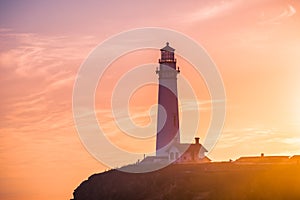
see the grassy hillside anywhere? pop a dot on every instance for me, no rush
(211, 181)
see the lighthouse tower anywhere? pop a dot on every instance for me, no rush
(167, 117)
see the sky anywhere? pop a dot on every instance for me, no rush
(254, 44)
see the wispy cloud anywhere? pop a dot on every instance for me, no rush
(204, 105)
(249, 140)
(33, 55)
(211, 9)
(287, 12)
(36, 125)
(40, 71)
(292, 141)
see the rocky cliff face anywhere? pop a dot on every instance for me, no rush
(196, 181)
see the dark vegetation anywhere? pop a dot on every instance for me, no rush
(211, 181)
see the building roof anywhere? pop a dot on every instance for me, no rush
(167, 48)
(185, 147)
(206, 159)
(296, 157)
(263, 159)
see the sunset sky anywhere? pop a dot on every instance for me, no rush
(254, 43)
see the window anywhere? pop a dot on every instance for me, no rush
(167, 56)
(171, 156)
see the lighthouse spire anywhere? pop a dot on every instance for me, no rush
(167, 117)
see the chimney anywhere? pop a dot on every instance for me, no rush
(197, 140)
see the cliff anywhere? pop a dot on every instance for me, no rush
(196, 181)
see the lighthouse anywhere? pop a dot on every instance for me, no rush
(169, 149)
(167, 115)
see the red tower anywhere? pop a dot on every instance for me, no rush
(167, 117)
